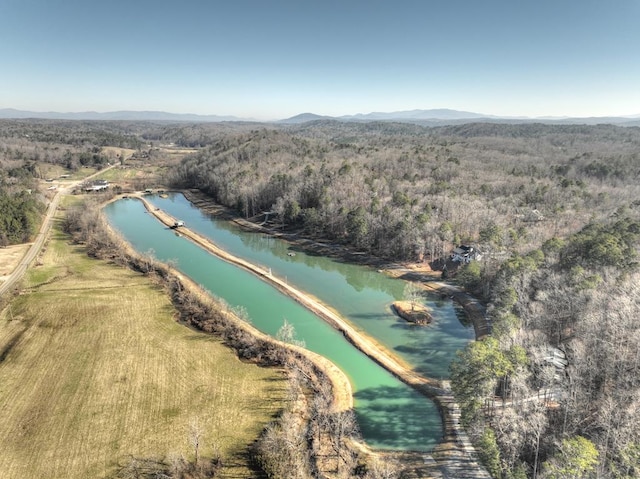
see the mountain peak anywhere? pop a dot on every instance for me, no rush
(304, 117)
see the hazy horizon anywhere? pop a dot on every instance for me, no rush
(274, 60)
(140, 114)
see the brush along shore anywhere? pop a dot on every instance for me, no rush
(319, 395)
(96, 373)
(455, 450)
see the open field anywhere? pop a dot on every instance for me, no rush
(10, 257)
(133, 175)
(113, 152)
(94, 370)
(127, 173)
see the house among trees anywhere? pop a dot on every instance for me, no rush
(554, 357)
(532, 216)
(465, 254)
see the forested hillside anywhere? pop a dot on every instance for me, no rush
(19, 216)
(20, 205)
(404, 192)
(554, 209)
(563, 357)
(555, 391)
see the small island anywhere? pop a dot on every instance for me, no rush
(412, 312)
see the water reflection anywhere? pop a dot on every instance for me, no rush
(267, 307)
(359, 293)
(385, 413)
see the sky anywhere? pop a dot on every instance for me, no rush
(271, 59)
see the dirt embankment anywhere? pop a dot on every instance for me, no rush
(421, 273)
(455, 449)
(366, 344)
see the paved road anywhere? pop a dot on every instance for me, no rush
(42, 235)
(36, 246)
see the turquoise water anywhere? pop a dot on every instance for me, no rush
(391, 415)
(360, 294)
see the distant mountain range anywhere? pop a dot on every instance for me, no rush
(443, 116)
(434, 117)
(411, 115)
(118, 115)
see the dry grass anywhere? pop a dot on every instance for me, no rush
(133, 177)
(94, 369)
(122, 174)
(113, 152)
(10, 258)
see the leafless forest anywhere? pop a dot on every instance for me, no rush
(554, 392)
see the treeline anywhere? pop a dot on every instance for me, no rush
(407, 192)
(69, 144)
(74, 133)
(555, 391)
(21, 206)
(20, 216)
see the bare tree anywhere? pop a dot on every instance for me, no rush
(195, 439)
(287, 334)
(412, 293)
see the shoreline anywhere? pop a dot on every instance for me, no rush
(455, 447)
(359, 339)
(428, 280)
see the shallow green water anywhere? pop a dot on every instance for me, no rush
(361, 294)
(390, 414)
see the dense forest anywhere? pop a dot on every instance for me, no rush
(407, 192)
(554, 391)
(20, 205)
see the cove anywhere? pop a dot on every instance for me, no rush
(391, 415)
(358, 293)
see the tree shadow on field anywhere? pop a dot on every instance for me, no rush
(237, 462)
(203, 337)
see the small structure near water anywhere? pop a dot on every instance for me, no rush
(177, 224)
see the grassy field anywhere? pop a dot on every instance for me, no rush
(10, 258)
(94, 370)
(124, 174)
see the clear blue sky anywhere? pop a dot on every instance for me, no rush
(273, 59)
